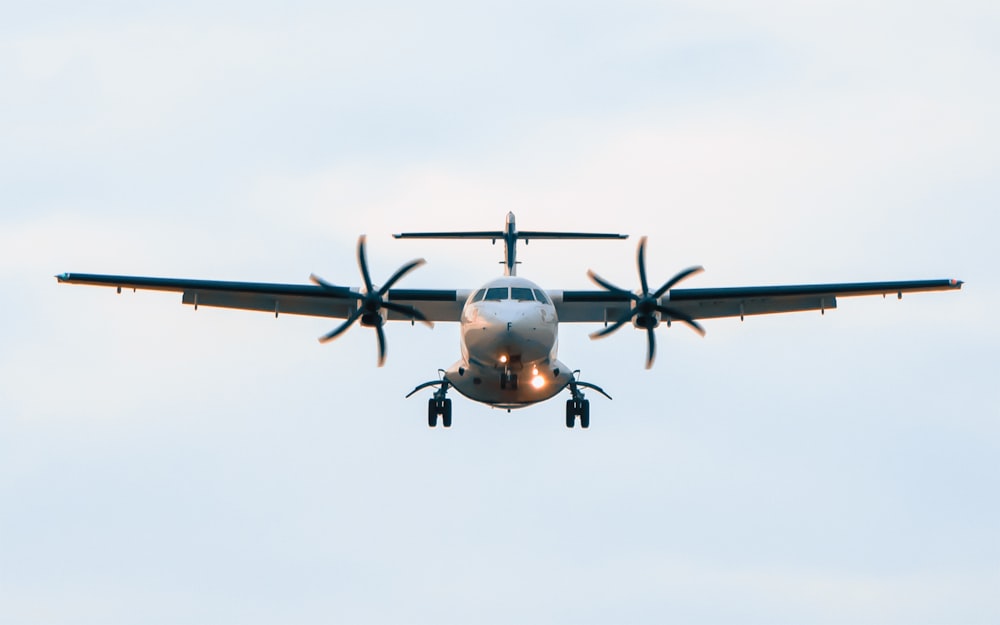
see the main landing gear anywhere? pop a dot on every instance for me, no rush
(579, 406)
(438, 406)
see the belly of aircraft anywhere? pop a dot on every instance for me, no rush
(483, 384)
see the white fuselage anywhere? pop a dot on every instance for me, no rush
(509, 340)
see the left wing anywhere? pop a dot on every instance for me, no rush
(292, 299)
(607, 306)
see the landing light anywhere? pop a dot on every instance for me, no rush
(503, 358)
(538, 381)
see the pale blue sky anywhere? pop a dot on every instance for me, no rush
(160, 465)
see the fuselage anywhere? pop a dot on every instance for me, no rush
(509, 342)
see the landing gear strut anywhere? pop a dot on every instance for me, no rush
(579, 406)
(508, 380)
(438, 406)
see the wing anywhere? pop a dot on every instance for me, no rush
(605, 306)
(292, 299)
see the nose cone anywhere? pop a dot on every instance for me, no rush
(523, 334)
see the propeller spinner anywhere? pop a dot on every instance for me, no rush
(371, 301)
(646, 308)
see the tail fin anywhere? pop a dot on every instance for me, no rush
(510, 236)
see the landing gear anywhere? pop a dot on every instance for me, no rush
(578, 408)
(508, 380)
(438, 405)
(438, 408)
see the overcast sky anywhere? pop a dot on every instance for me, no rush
(161, 465)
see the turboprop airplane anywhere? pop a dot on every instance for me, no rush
(510, 325)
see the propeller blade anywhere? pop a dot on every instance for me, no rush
(329, 336)
(598, 280)
(363, 263)
(650, 348)
(682, 317)
(640, 260)
(614, 327)
(380, 335)
(340, 290)
(683, 275)
(409, 311)
(402, 271)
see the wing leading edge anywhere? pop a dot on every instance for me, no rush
(292, 299)
(603, 306)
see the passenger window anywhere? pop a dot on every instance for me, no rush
(521, 294)
(540, 296)
(496, 293)
(479, 295)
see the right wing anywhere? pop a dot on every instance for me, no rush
(292, 299)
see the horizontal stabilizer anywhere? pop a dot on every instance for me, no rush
(510, 236)
(500, 234)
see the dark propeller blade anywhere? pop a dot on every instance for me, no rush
(408, 311)
(402, 271)
(614, 326)
(682, 317)
(650, 347)
(646, 310)
(340, 290)
(329, 336)
(372, 300)
(607, 285)
(380, 336)
(640, 260)
(363, 263)
(683, 275)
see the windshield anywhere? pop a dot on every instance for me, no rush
(520, 294)
(496, 293)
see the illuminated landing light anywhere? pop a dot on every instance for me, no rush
(538, 381)
(503, 358)
(534, 371)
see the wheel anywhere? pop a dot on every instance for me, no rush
(432, 414)
(570, 413)
(585, 413)
(446, 412)
(508, 381)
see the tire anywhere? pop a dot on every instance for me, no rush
(570, 413)
(446, 413)
(585, 414)
(432, 414)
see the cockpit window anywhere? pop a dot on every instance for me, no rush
(479, 295)
(496, 293)
(520, 294)
(540, 296)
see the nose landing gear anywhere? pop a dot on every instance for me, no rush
(508, 380)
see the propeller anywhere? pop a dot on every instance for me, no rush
(646, 307)
(371, 301)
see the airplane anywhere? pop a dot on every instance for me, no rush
(510, 326)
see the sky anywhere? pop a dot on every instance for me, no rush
(165, 465)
